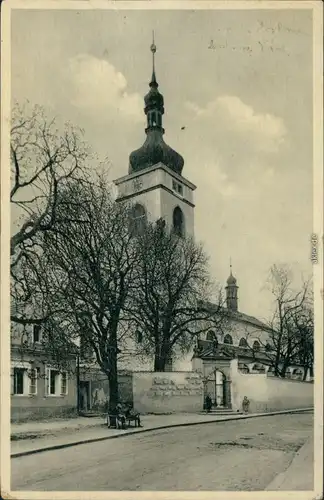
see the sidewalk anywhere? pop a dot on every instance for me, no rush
(34, 437)
(300, 474)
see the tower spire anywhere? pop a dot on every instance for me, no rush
(154, 149)
(153, 50)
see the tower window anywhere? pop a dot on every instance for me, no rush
(137, 220)
(178, 221)
(178, 188)
(139, 337)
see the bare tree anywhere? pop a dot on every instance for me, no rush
(43, 161)
(290, 330)
(91, 258)
(170, 306)
(302, 324)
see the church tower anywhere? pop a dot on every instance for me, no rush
(231, 292)
(154, 185)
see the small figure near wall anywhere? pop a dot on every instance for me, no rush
(208, 403)
(245, 405)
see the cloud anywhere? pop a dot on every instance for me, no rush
(97, 87)
(230, 116)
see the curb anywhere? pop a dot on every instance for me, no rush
(169, 426)
(279, 480)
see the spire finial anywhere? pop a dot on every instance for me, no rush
(153, 50)
(231, 265)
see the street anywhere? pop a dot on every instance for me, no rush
(239, 456)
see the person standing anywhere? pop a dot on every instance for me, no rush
(208, 403)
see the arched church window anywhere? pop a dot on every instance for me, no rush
(210, 335)
(137, 219)
(256, 345)
(243, 342)
(228, 339)
(258, 368)
(297, 373)
(243, 368)
(268, 347)
(178, 221)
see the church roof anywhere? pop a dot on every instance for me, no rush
(229, 351)
(239, 316)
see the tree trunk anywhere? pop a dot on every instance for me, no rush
(113, 374)
(159, 363)
(113, 390)
(305, 373)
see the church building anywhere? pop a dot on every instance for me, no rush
(156, 190)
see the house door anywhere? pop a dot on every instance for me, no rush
(215, 387)
(85, 399)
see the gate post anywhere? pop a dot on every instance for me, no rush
(228, 399)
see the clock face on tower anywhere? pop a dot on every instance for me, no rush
(137, 184)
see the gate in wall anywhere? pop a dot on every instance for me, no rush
(218, 388)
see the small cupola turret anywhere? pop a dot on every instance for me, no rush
(231, 292)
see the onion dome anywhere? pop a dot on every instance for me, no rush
(231, 280)
(154, 149)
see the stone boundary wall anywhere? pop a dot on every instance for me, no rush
(168, 392)
(270, 393)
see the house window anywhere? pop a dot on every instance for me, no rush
(57, 382)
(19, 380)
(178, 221)
(24, 380)
(177, 187)
(243, 342)
(54, 381)
(137, 220)
(228, 339)
(36, 333)
(64, 386)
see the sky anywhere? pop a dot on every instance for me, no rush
(240, 82)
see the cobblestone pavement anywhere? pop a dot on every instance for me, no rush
(242, 455)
